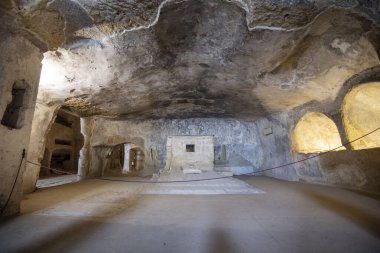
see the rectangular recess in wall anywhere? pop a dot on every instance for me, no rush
(180, 157)
(62, 142)
(268, 131)
(63, 121)
(190, 148)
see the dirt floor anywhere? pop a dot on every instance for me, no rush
(105, 216)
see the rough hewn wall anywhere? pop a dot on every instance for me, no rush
(20, 62)
(346, 168)
(264, 143)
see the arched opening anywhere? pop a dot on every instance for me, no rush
(116, 159)
(62, 146)
(315, 133)
(361, 115)
(125, 158)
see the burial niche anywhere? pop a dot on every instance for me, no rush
(315, 133)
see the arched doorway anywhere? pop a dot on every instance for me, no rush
(124, 158)
(62, 149)
(116, 158)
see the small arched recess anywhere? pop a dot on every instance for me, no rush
(315, 133)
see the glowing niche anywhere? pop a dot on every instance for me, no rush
(315, 133)
(361, 115)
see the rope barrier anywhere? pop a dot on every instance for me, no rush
(317, 155)
(217, 178)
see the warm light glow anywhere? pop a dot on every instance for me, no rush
(52, 74)
(361, 115)
(315, 133)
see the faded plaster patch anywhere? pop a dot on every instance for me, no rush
(340, 44)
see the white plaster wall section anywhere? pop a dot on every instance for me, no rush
(127, 148)
(200, 156)
(84, 164)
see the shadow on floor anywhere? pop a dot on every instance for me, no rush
(220, 242)
(361, 217)
(79, 230)
(366, 194)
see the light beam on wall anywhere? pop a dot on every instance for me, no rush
(53, 75)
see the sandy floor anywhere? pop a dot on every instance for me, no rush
(104, 216)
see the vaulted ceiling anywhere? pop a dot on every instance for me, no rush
(194, 58)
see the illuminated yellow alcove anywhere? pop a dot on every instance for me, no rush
(315, 133)
(361, 115)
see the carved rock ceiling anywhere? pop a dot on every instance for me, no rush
(215, 58)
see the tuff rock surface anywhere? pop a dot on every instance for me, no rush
(178, 59)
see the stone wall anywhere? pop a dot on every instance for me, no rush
(346, 168)
(240, 139)
(20, 66)
(42, 121)
(262, 144)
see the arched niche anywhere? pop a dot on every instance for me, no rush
(315, 133)
(361, 115)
